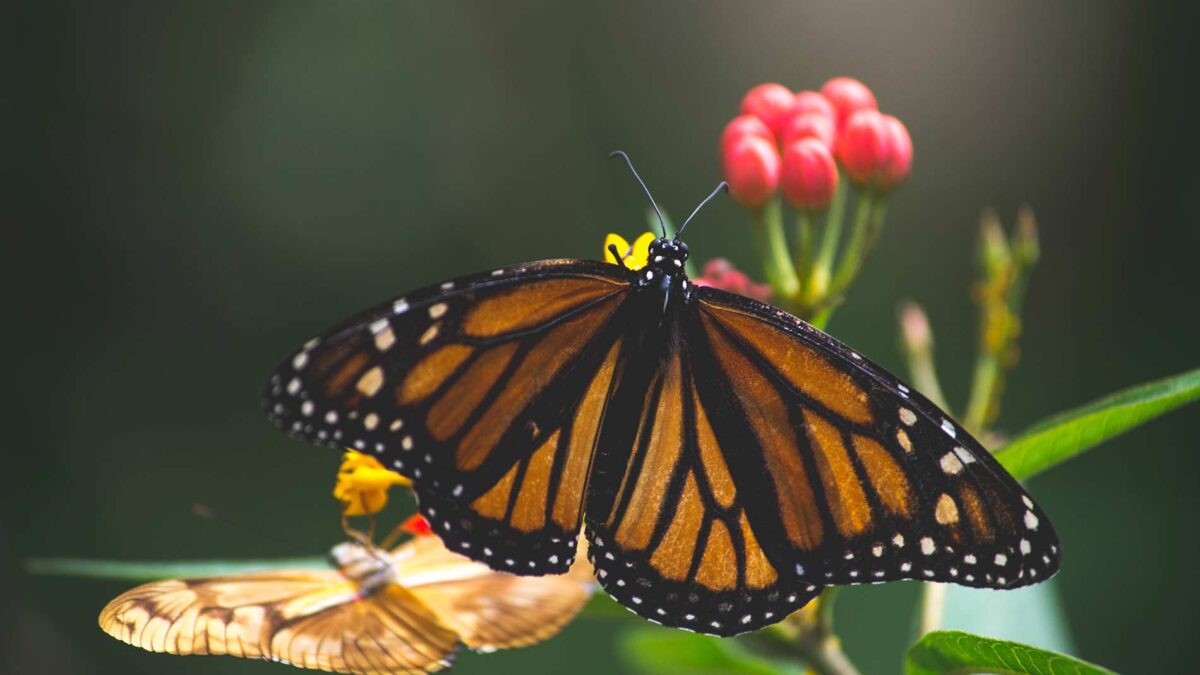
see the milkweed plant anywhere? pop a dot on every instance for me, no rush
(814, 171)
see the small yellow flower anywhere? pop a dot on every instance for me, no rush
(363, 484)
(635, 255)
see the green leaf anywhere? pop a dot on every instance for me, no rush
(1060, 438)
(1032, 615)
(671, 652)
(951, 651)
(150, 570)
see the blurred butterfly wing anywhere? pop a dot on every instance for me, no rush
(475, 389)
(488, 609)
(389, 631)
(668, 518)
(311, 619)
(211, 616)
(861, 480)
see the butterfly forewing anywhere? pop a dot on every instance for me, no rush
(872, 481)
(472, 388)
(311, 619)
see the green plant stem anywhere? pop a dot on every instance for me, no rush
(828, 598)
(933, 607)
(878, 215)
(820, 272)
(803, 257)
(822, 653)
(856, 248)
(773, 250)
(984, 383)
(924, 376)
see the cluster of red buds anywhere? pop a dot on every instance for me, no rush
(720, 273)
(795, 142)
(804, 147)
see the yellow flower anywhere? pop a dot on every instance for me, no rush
(363, 484)
(634, 255)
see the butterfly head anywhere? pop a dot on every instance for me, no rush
(667, 256)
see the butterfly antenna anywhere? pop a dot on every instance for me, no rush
(721, 187)
(621, 153)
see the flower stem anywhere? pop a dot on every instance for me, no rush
(821, 269)
(808, 635)
(933, 606)
(773, 249)
(856, 248)
(803, 257)
(984, 388)
(917, 338)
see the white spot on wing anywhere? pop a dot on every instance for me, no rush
(951, 464)
(948, 427)
(1031, 520)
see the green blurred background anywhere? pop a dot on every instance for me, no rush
(197, 187)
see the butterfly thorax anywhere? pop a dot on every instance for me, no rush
(665, 271)
(369, 567)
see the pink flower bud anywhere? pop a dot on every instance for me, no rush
(752, 170)
(812, 102)
(809, 175)
(875, 149)
(809, 125)
(720, 273)
(743, 125)
(914, 327)
(770, 103)
(863, 145)
(848, 96)
(898, 162)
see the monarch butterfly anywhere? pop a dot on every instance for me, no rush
(377, 612)
(726, 458)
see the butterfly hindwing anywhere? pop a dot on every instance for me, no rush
(873, 482)
(471, 389)
(489, 609)
(667, 520)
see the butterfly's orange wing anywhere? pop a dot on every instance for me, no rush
(311, 619)
(488, 609)
(486, 390)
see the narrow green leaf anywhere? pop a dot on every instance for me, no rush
(1060, 438)
(671, 652)
(150, 570)
(951, 651)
